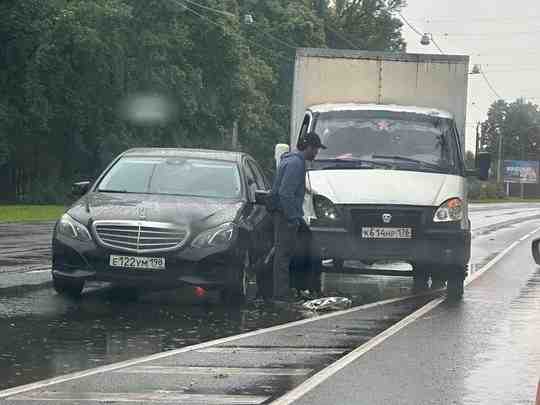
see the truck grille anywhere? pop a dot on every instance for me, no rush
(139, 236)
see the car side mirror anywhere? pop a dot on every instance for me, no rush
(279, 150)
(80, 188)
(483, 164)
(262, 197)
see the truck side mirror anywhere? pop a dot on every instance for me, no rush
(80, 188)
(484, 164)
(279, 150)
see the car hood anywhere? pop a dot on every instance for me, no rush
(180, 210)
(386, 186)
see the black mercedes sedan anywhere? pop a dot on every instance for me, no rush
(161, 218)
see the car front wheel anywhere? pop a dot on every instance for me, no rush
(235, 291)
(67, 287)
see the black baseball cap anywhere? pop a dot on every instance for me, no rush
(311, 139)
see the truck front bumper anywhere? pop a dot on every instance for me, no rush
(435, 247)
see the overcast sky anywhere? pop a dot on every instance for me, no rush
(503, 36)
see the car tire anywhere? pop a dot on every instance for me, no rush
(67, 287)
(235, 291)
(456, 284)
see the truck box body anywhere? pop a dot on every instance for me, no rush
(339, 76)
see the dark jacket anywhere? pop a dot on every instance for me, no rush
(289, 186)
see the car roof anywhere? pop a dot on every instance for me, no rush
(223, 155)
(322, 108)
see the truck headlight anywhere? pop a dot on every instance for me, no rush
(324, 208)
(67, 226)
(450, 211)
(215, 237)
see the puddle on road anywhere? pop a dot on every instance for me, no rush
(45, 335)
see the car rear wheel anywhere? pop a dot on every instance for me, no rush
(235, 291)
(67, 287)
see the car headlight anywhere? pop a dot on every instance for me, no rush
(324, 208)
(67, 226)
(450, 211)
(215, 237)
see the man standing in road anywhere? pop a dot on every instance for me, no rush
(288, 194)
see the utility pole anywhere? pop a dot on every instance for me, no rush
(499, 154)
(234, 143)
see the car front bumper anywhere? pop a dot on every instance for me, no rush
(90, 262)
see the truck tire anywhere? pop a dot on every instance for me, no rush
(68, 287)
(235, 290)
(338, 264)
(456, 284)
(420, 278)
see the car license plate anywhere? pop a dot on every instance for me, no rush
(386, 233)
(137, 262)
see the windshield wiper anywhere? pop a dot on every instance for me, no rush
(113, 191)
(349, 164)
(406, 159)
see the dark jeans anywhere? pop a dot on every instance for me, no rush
(295, 264)
(306, 264)
(285, 238)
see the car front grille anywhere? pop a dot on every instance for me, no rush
(139, 236)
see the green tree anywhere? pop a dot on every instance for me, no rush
(518, 124)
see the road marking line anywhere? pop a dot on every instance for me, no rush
(214, 370)
(38, 271)
(155, 396)
(274, 350)
(329, 371)
(116, 366)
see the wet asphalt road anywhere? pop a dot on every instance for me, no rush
(47, 335)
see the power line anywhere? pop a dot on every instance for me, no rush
(410, 25)
(340, 35)
(490, 85)
(231, 33)
(497, 19)
(215, 10)
(436, 45)
(234, 16)
(481, 35)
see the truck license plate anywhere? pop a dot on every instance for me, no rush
(386, 233)
(137, 262)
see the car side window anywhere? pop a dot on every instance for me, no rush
(259, 177)
(250, 179)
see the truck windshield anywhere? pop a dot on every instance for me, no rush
(410, 141)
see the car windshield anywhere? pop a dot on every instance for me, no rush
(174, 176)
(411, 141)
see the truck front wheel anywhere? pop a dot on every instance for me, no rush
(420, 278)
(455, 284)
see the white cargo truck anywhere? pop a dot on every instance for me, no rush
(392, 185)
